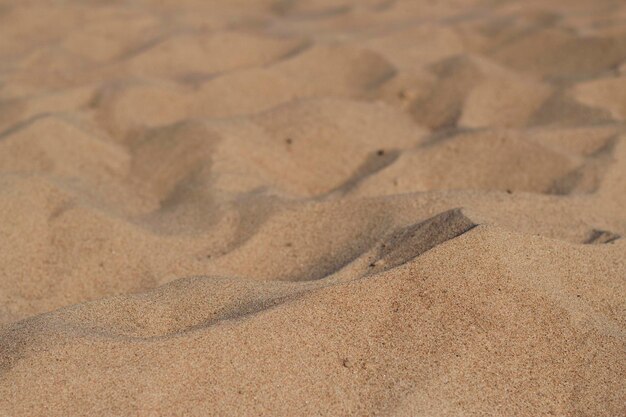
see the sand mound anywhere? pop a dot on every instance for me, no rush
(312, 208)
(450, 342)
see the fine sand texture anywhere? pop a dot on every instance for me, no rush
(312, 208)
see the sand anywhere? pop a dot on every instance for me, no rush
(294, 208)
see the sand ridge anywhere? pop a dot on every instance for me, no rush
(312, 207)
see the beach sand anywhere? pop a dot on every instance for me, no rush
(294, 208)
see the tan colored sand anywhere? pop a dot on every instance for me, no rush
(395, 208)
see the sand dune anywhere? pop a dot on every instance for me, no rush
(313, 208)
